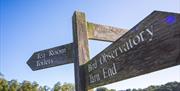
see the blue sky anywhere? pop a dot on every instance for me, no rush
(32, 25)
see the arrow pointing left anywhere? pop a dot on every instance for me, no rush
(51, 57)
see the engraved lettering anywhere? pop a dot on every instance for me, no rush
(92, 66)
(94, 78)
(151, 34)
(44, 62)
(56, 52)
(41, 55)
(110, 71)
(136, 40)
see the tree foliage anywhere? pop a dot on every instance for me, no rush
(67, 87)
(3, 85)
(104, 89)
(171, 86)
(14, 85)
(57, 86)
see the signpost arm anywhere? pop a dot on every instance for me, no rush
(103, 32)
(151, 45)
(81, 51)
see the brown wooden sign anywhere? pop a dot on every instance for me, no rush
(104, 33)
(51, 57)
(151, 45)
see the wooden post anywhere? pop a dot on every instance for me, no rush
(81, 51)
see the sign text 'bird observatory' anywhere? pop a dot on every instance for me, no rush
(151, 45)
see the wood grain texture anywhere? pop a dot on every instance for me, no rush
(103, 32)
(151, 45)
(81, 51)
(56, 56)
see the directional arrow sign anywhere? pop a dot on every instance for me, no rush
(103, 32)
(151, 45)
(51, 57)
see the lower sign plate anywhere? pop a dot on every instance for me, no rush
(151, 45)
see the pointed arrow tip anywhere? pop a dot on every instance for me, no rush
(29, 62)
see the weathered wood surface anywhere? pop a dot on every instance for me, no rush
(151, 45)
(81, 50)
(51, 57)
(103, 32)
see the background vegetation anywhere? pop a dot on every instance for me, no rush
(171, 86)
(14, 85)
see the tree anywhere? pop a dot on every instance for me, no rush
(140, 89)
(101, 89)
(104, 89)
(134, 90)
(67, 87)
(171, 86)
(57, 86)
(46, 88)
(3, 85)
(112, 90)
(35, 86)
(151, 88)
(41, 89)
(26, 86)
(128, 89)
(13, 85)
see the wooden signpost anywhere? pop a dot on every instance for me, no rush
(151, 45)
(51, 57)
